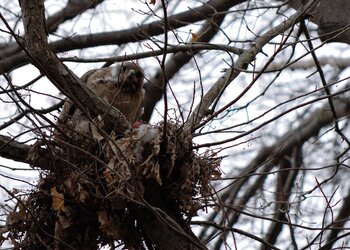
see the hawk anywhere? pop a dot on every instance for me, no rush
(120, 86)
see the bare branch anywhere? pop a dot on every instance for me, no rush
(208, 30)
(139, 33)
(269, 156)
(70, 11)
(65, 80)
(339, 222)
(11, 149)
(242, 63)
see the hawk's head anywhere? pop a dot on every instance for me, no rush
(130, 77)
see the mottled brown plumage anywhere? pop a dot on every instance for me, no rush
(121, 86)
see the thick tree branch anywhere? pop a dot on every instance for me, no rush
(48, 63)
(139, 33)
(13, 150)
(339, 222)
(289, 166)
(332, 19)
(188, 47)
(242, 63)
(340, 62)
(208, 30)
(17, 151)
(269, 156)
(18, 117)
(70, 11)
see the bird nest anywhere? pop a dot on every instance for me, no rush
(98, 191)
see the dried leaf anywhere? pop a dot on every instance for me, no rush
(57, 199)
(65, 217)
(15, 191)
(95, 134)
(106, 225)
(108, 174)
(68, 183)
(83, 194)
(33, 152)
(194, 37)
(113, 147)
(102, 217)
(153, 2)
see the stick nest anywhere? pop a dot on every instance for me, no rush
(94, 198)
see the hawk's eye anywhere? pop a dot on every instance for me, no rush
(138, 74)
(123, 68)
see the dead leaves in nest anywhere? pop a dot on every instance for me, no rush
(107, 177)
(133, 158)
(144, 154)
(14, 222)
(57, 199)
(107, 224)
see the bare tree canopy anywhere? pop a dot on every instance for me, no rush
(332, 19)
(165, 124)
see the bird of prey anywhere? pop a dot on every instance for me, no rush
(120, 86)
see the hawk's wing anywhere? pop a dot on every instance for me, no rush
(69, 109)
